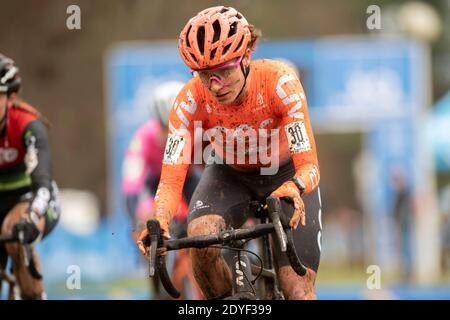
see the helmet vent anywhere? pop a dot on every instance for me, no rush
(213, 53)
(201, 39)
(226, 48)
(216, 26)
(187, 37)
(233, 29)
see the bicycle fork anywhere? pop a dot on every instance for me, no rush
(242, 275)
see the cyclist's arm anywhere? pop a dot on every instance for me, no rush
(297, 127)
(178, 152)
(38, 164)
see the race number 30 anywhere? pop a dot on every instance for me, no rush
(173, 150)
(297, 137)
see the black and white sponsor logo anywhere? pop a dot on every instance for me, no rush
(31, 157)
(8, 155)
(54, 203)
(297, 137)
(41, 201)
(239, 266)
(200, 205)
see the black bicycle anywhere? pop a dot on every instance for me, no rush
(264, 285)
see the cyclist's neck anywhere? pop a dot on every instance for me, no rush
(245, 89)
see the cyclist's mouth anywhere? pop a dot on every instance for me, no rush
(221, 96)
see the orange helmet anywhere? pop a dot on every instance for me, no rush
(214, 36)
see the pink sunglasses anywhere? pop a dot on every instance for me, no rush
(207, 75)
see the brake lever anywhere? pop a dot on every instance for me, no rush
(158, 263)
(154, 231)
(152, 262)
(274, 206)
(21, 238)
(282, 238)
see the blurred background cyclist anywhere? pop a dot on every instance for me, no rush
(140, 177)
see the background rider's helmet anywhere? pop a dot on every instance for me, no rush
(163, 98)
(9, 76)
(214, 36)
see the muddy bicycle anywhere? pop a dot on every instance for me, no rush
(251, 281)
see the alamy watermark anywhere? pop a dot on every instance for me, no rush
(73, 281)
(373, 22)
(73, 21)
(374, 280)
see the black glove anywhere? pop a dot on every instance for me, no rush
(28, 229)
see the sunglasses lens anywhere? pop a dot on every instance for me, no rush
(218, 74)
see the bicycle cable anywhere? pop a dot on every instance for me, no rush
(248, 251)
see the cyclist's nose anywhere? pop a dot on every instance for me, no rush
(215, 84)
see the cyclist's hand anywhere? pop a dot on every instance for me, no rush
(164, 223)
(290, 190)
(28, 228)
(143, 237)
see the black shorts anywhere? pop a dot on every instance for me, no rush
(229, 193)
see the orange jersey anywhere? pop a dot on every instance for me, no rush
(270, 126)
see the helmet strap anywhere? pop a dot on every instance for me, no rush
(4, 123)
(245, 71)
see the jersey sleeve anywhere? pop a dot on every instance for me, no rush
(293, 109)
(38, 164)
(178, 151)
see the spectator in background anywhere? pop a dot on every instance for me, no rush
(345, 240)
(444, 206)
(402, 213)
